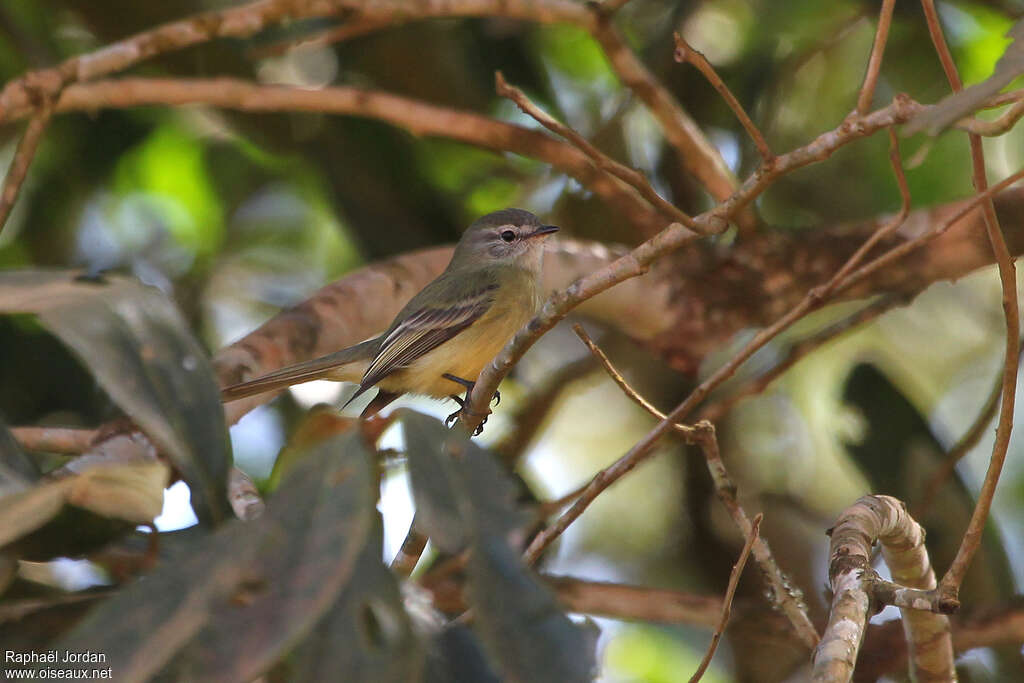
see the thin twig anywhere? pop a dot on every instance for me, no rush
(62, 440)
(642, 449)
(697, 155)
(949, 586)
(603, 161)
(686, 53)
(408, 556)
(730, 593)
(702, 434)
(418, 117)
(867, 90)
(686, 432)
(23, 155)
(999, 126)
(353, 28)
(547, 507)
(714, 411)
(964, 446)
(783, 594)
(671, 238)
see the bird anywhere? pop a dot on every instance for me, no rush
(440, 341)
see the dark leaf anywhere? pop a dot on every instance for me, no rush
(455, 655)
(367, 635)
(141, 352)
(247, 593)
(521, 625)
(523, 631)
(437, 460)
(437, 510)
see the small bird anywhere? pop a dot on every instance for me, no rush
(441, 340)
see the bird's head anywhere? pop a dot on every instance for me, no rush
(506, 237)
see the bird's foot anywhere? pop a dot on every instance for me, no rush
(450, 420)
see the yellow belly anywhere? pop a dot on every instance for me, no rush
(465, 354)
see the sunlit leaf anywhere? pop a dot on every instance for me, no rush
(246, 594)
(141, 352)
(130, 491)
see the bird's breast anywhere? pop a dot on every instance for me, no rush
(466, 354)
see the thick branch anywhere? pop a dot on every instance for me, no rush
(419, 118)
(883, 519)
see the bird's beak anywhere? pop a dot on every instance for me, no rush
(543, 231)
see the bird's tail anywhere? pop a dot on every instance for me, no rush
(324, 367)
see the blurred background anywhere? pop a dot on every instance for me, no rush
(237, 215)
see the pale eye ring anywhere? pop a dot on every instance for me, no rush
(508, 236)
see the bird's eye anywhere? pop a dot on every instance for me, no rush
(508, 236)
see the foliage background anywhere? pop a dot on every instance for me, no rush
(237, 215)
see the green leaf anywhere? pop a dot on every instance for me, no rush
(246, 594)
(141, 352)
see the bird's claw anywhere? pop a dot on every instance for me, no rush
(497, 397)
(450, 420)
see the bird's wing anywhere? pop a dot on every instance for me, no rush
(425, 327)
(306, 371)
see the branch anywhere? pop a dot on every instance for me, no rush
(699, 156)
(675, 236)
(799, 350)
(623, 173)
(419, 118)
(61, 440)
(23, 155)
(685, 53)
(968, 441)
(783, 594)
(643, 448)
(622, 601)
(730, 593)
(883, 519)
(251, 18)
(951, 581)
(703, 434)
(242, 493)
(867, 90)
